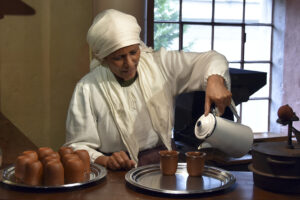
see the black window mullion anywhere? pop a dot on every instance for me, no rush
(213, 25)
(149, 39)
(180, 26)
(259, 98)
(243, 48)
(271, 63)
(243, 37)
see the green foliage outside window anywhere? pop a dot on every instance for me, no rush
(165, 33)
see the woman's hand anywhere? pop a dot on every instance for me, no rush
(217, 93)
(118, 160)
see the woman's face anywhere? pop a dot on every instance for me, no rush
(123, 62)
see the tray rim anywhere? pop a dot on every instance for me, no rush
(100, 169)
(128, 178)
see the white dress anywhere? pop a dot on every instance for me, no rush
(143, 116)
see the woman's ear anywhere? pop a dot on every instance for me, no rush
(104, 62)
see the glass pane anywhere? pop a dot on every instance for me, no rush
(196, 10)
(258, 11)
(166, 35)
(235, 65)
(255, 115)
(166, 10)
(264, 91)
(258, 43)
(229, 11)
(228, 42)
(196, 38)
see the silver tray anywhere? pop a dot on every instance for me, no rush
(149, 178)
(7, 176)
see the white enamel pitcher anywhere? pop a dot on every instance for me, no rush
(232, 138)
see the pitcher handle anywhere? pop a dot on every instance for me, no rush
(234, 111)
(232, 107)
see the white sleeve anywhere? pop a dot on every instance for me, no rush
(188, 71)
(81, 123)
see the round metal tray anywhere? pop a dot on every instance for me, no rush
(150, 178)
(7, 176)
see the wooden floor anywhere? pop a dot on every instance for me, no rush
(12, 141)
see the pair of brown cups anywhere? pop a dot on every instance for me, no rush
(194, 160)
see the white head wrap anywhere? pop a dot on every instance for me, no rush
(110, 31)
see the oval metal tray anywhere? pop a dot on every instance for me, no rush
(8, 178)
(150, 178)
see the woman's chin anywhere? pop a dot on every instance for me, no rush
(127, 77)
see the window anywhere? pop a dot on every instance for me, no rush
(240, 29)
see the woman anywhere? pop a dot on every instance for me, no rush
(123, 108)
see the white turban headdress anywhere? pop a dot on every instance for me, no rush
(110, 31)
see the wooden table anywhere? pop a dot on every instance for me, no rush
(114, 187)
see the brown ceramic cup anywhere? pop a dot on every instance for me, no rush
(53, 156)
(168, 162)
(65, 150)
(44, 151)
(32, 154)
(54, 173)
(74, 170)
(85, 157)
(20, 166)
(68, 156)
(34, 173)
(195, 162)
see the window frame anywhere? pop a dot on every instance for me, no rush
(149, 39)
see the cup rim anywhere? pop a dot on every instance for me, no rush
(168, 153)
(195, 154)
